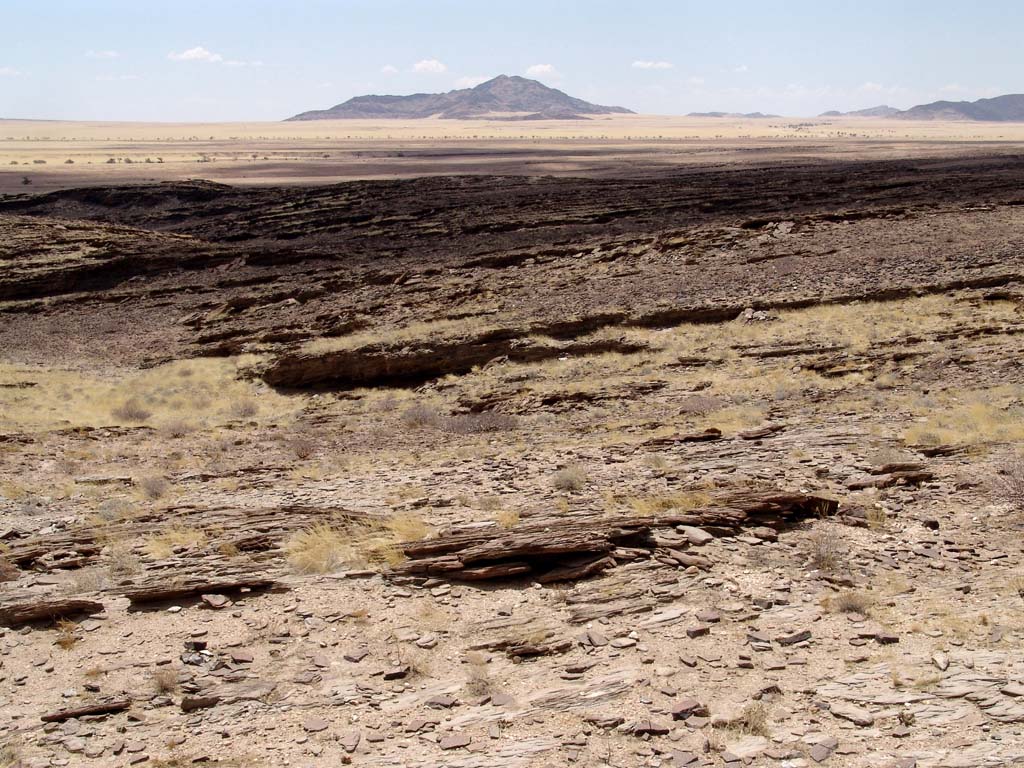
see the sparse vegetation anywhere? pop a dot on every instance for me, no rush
(172, 538)
(164, 679)
(86, 580)
(1009, 483)
(302, 446)
(325, 547)
(877, 517)
(10, 753)
(153, 487)
(244, 408)
(826, 547)
(478, 677)
(122, 561)
(507, 518)
(850, 601)
(421, 416)
(480, 423)
(683, 501)
(570, 478)
(211, 394)
(67, 634)
(177, 428)
(131, 411)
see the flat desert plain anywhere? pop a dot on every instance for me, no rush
(630, 442)
(55, 154)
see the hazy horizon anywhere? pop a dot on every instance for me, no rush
(263, 60)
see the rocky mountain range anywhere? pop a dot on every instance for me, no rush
(1000, 109)
(511, 97)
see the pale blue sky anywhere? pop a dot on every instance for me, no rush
(267, 59)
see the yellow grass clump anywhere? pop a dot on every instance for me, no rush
(163, 544)
(324, 547)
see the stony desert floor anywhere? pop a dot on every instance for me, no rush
(714, 465)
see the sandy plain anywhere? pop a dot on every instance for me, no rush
(330, 151)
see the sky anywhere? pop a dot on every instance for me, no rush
(241, 60)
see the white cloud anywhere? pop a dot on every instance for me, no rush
(196, 54)
(429, 66)
(741, 69)
(116, 78)
(102, 54)
(652, 65)
(870, 87)
(542, 70)
(9, 72)
(389, 69)
(470, 81)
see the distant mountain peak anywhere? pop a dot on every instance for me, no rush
(502, 97)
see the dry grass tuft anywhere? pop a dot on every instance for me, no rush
(122, 561)
(165, 680)
(67, 634)
(302, 446)
(507, 518)
(754, 721)
(421, 417)
(699, 405)
(570, 478)
(176, 428)
(86, 580)
(325, 547)
(407, 528)
(1009, 483)
(826, 547)
(849, 601)
(244, 408)
(174, 537)
(153, 487)
(877, 518)
(656, 505)
(131, 411)
(478, 677)
(318, 549)
(10, 754)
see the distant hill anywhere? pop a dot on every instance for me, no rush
(1001, 109)
(881, 111)
(519, 97)
(753, 115)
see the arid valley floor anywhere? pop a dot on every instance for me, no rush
(697, 450)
